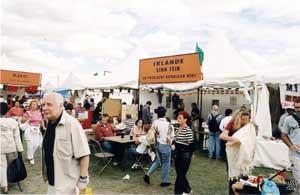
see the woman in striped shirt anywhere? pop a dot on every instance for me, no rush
(184, 148)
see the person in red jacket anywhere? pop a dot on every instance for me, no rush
(104, 129)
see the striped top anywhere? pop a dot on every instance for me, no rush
(129, 125)
(185, 136)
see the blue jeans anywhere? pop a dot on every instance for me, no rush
(107, 146)
(214, 143)
(165, 157)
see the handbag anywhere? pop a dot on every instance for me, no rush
(16, 171)
(11, 157)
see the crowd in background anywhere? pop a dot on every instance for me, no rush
(169, 139)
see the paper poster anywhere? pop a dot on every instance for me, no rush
(130, 109)
(289, 95)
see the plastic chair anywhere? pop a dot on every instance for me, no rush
(99, 153)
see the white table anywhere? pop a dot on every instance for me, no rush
(271, 154)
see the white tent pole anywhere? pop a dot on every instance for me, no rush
(253, 113)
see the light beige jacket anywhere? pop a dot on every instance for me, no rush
(10, 136)
(70, 144)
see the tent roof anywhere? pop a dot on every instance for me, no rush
(281, 75)
(223, 63)
(222, 66)
(72, 82)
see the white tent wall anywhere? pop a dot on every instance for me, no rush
(263, 116)
(224, 102)
(125, 96)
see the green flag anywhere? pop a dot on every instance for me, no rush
(200, 53)
(4, 87)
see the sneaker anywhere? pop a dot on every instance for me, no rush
(134, 166)
(165, 184)
(146, 179)
(184, 193)
(115, 163)
(31, 161)
(152, 156)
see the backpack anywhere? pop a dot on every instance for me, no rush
(213, 124)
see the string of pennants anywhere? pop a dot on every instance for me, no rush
(206, 91)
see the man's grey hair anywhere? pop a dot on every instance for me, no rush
(58, 98)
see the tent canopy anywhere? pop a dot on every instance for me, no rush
(223, 63)
(72, 82)
(222, 66)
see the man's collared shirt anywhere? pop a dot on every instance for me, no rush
(70, 145)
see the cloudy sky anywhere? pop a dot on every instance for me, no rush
(61, 36)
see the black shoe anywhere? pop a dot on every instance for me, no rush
(146, 179)
(165, 184)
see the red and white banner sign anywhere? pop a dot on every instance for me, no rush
(290, 95)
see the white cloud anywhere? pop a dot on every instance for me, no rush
(59, 35)
(160, 42)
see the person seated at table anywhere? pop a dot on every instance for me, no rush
(138, 128)
(110, 120)
(104, 129)
(141, 144)
(129, 122)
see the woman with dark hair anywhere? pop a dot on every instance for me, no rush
(164, 135)
(10, 143)
(184, 148)
(138, 129)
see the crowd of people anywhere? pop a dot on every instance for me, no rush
(52, 124)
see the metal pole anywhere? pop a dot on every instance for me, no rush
(198, 94)
(201, 101)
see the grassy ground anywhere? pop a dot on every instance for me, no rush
(205, 176)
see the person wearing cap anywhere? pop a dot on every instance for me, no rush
(164, 136)
(290, 135)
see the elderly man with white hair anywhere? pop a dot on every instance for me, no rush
(65, 149)
(213, 121)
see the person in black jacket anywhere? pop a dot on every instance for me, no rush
(97, 112)
(184, 148)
